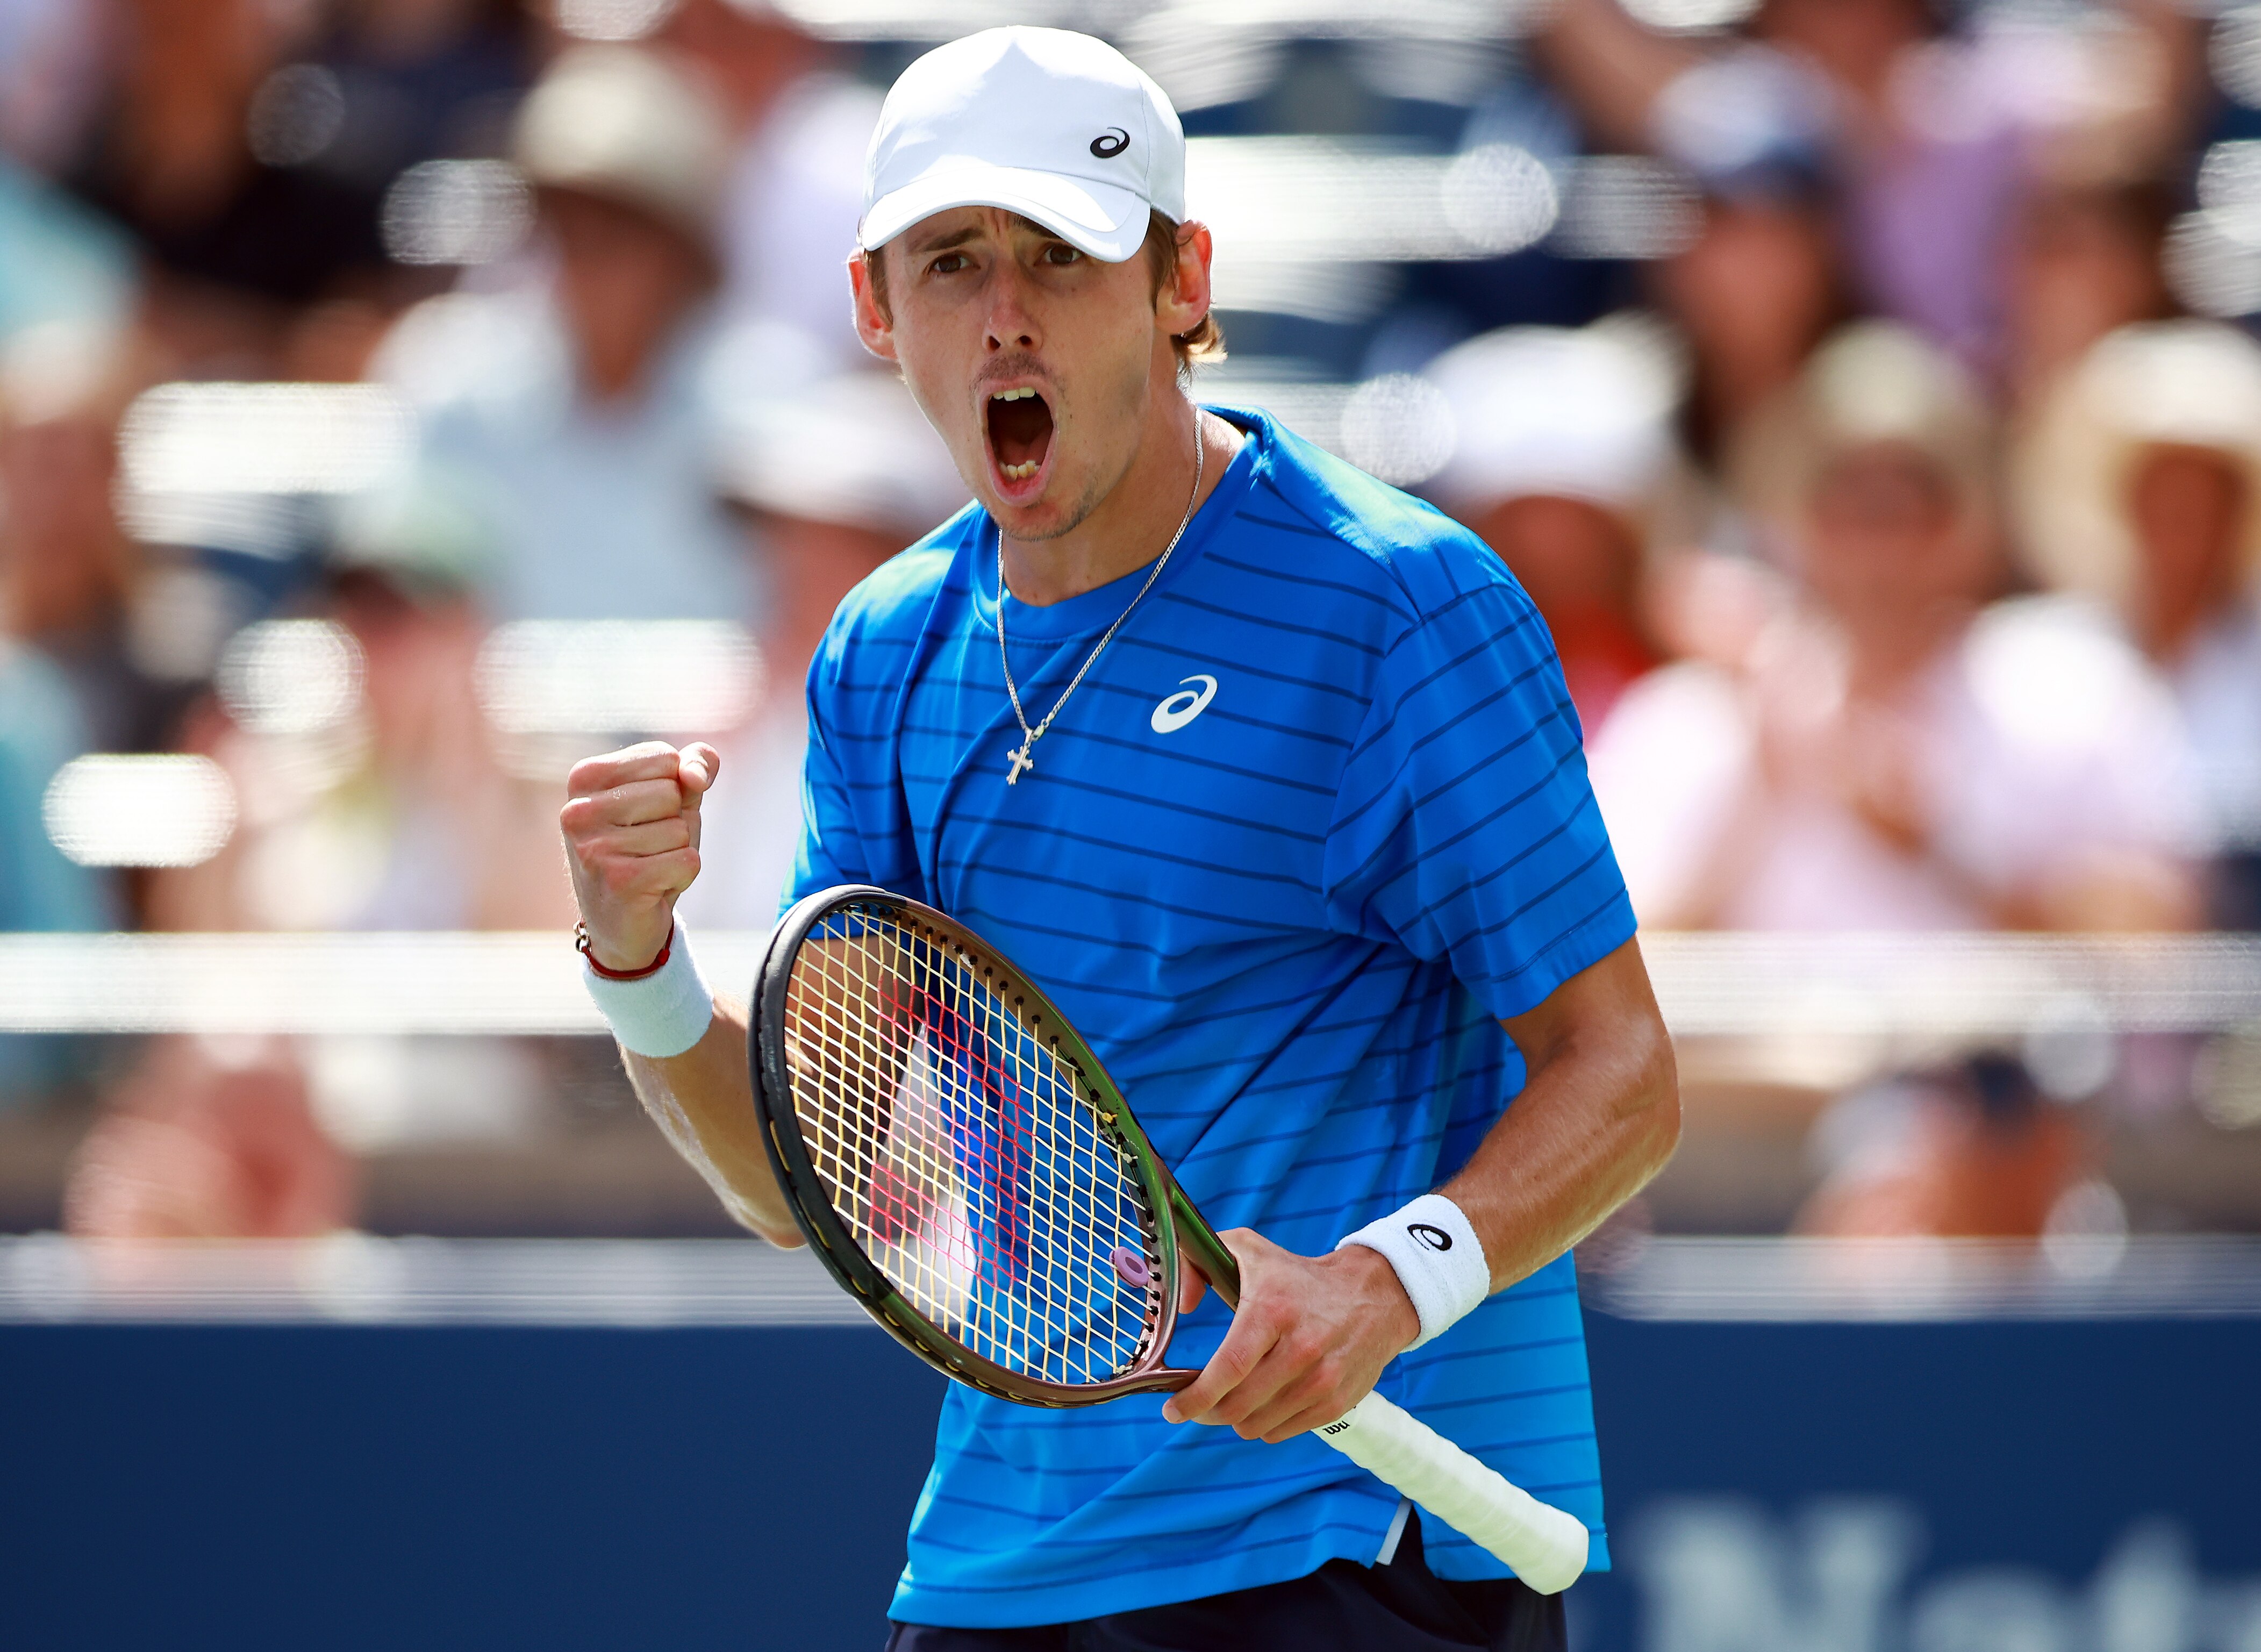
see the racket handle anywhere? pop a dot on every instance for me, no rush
(1546, 1547)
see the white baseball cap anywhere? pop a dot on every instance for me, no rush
(1052, 124)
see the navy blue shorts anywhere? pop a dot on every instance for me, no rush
(1341, 1607)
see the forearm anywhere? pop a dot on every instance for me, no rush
(1598, 1116)
(703, 1102)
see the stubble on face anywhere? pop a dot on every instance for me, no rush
(1091, 362)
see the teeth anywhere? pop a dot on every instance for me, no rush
(1021, 394)
(1019, 472)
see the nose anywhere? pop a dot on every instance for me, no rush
(1012, 324)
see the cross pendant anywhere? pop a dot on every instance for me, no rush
(1020, 760)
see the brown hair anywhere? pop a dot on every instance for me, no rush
(1200, 345)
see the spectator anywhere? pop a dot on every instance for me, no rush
(64, 263)
(1930, 135)
(837, 478)
(2084, 259)
(800, 129)
(69, 577)
(1755, 290)
(394, 813)
(40, 730)
(1972, 1150)
(1896, 753)
(233, 241)
(1563, 448)
(211, 1138)
(2140, 487)
(575, 408)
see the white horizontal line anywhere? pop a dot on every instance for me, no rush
(1916, 1280)
(947, 19)
(355, 1279)
(1718, 985)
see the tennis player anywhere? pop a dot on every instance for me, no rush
(1267, 774)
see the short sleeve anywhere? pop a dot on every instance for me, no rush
(1465, 828)
(829, 852)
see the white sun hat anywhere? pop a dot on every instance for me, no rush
(1055, 125)
(853, 449)
(622, 124)
(2172, 383)
(1581, 414)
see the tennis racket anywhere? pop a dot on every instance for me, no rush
(962, 1164)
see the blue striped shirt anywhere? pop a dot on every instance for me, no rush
(1315, 821)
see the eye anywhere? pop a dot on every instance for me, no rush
(1059, 252)
(947, 264)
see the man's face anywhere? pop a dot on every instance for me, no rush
(2187, 507)
(626, 280)
(1887, 537)
(1036, 362)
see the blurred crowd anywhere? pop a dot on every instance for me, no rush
(398, 401)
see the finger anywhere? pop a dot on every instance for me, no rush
(1273, 1391)
(641, 801)
(1320, 1389)
(653, 837)
(700, 763)
(1236, 1358)
(1317, 1414)
(652, 760)
(586, 821)
(639, 877)
(1191, 1288)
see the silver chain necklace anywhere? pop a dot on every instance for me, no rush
(1020, 759)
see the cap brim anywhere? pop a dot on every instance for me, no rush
(1107, 222)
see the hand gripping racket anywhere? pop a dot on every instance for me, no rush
(963, 1165)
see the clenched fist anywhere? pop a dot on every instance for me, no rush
(632, 841)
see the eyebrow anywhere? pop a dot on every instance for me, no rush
(942, 243)
(975, 232)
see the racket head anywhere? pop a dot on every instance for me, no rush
(959, 1158)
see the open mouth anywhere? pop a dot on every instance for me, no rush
(1020, 437)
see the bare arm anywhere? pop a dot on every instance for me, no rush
(1599, 1116)
(631, 829)
(1611, 68)
(703, 1102)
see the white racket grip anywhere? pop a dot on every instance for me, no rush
(1546, 1547)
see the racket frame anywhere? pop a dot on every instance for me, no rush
(1179, 1234)
(1546, 1547)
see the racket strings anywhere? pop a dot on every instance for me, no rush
(962, 1154)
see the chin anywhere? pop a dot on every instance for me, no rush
(1044, 517)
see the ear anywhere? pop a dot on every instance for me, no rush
(872, 323)
(1184, 298)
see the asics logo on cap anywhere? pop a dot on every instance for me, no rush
(1110, 143)
(1183, 706)
(1429, 1238)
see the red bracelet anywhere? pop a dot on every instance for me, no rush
(581, 945)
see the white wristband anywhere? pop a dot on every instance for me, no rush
(1438, 1256)
(661, 1014)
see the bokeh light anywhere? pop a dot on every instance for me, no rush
(140, 810)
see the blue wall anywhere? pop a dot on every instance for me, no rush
(332, 1487)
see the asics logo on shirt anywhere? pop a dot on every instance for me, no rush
(1183, 706)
